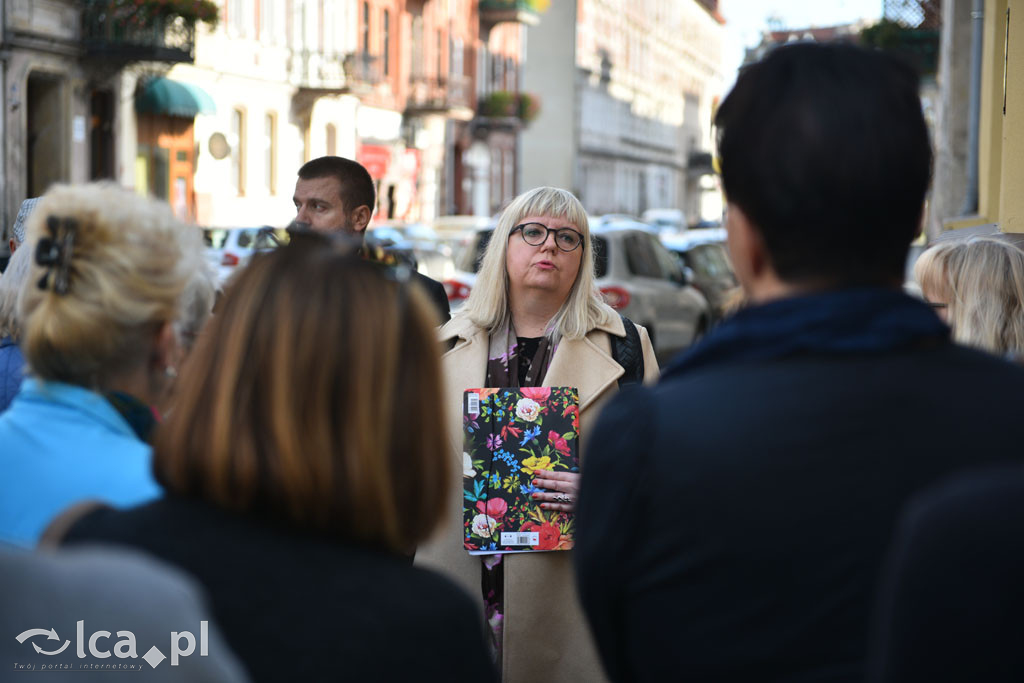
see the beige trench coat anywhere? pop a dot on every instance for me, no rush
(546, 637)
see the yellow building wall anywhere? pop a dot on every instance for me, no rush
(990, 129)
(1011, 191)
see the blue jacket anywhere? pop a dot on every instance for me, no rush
(59, 445)
(12, 369)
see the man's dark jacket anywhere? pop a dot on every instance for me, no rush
(950, 604)
(435, 290)
(733, 518)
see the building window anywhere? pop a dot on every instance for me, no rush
(238, 151)
(508, 174)
(455, 57)
(440, 54)
(332, 140)
(366, 28)
(270, 153)
(417, 55)
(241, 16)
(511, 75)
(386, 48)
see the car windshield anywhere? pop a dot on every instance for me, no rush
(214, 237)
(469, 258)
(600, 256)
(709, 259)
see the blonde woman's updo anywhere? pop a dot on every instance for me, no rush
(108, 276)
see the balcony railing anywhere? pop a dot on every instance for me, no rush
(362, 68)
(446, 95)
(117, 31)
(319, 70)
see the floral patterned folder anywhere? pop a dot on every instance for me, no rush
(509, 434)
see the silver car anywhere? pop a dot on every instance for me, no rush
(636, 274)
(645, 282)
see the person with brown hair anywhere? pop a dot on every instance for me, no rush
(337, 195)
(305, 459)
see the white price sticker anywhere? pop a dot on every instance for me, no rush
(510, 538)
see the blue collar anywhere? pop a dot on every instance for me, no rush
(845, 321)
(76, 398)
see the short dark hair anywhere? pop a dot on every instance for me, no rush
(356, 184)
(825, 149)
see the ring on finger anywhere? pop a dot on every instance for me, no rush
(563, 498)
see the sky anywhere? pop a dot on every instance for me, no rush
(745, 19)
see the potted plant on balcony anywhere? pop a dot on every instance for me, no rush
(502, 104)
(531, 5)
(499, 104)
(528, 107)
(155, 12)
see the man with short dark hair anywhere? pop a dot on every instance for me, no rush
(732, 519)
(337, 194)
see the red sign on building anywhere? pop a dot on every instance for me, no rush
(375, 158)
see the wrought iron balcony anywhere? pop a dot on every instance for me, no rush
(362, 68)
(118, 31)
(445, 95)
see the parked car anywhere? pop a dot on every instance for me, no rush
(229, 248)
(703, 253)
(666, 220)
(431, 255)
(636, 274)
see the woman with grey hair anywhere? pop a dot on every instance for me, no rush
(535, 318)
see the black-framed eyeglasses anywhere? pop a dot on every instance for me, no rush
(536, 234)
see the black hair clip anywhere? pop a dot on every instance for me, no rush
(54, 252)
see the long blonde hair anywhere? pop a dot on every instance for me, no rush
(10, 288)
(934, 270)
(987, 309)
(488, 304)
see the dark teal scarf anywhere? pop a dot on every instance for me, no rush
(139, 416)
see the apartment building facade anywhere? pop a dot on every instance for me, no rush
(394, 84)
(629, 89)
(217, 118)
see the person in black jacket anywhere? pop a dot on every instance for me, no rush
(335, 194)
(951, 606)
(733, 518)
(305, 459)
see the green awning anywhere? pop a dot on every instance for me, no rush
(174, 98)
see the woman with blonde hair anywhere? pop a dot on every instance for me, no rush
(534, 318)
(96, 315)
(934, 271)
(303, 461)
(11, 361)
(978, 285)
